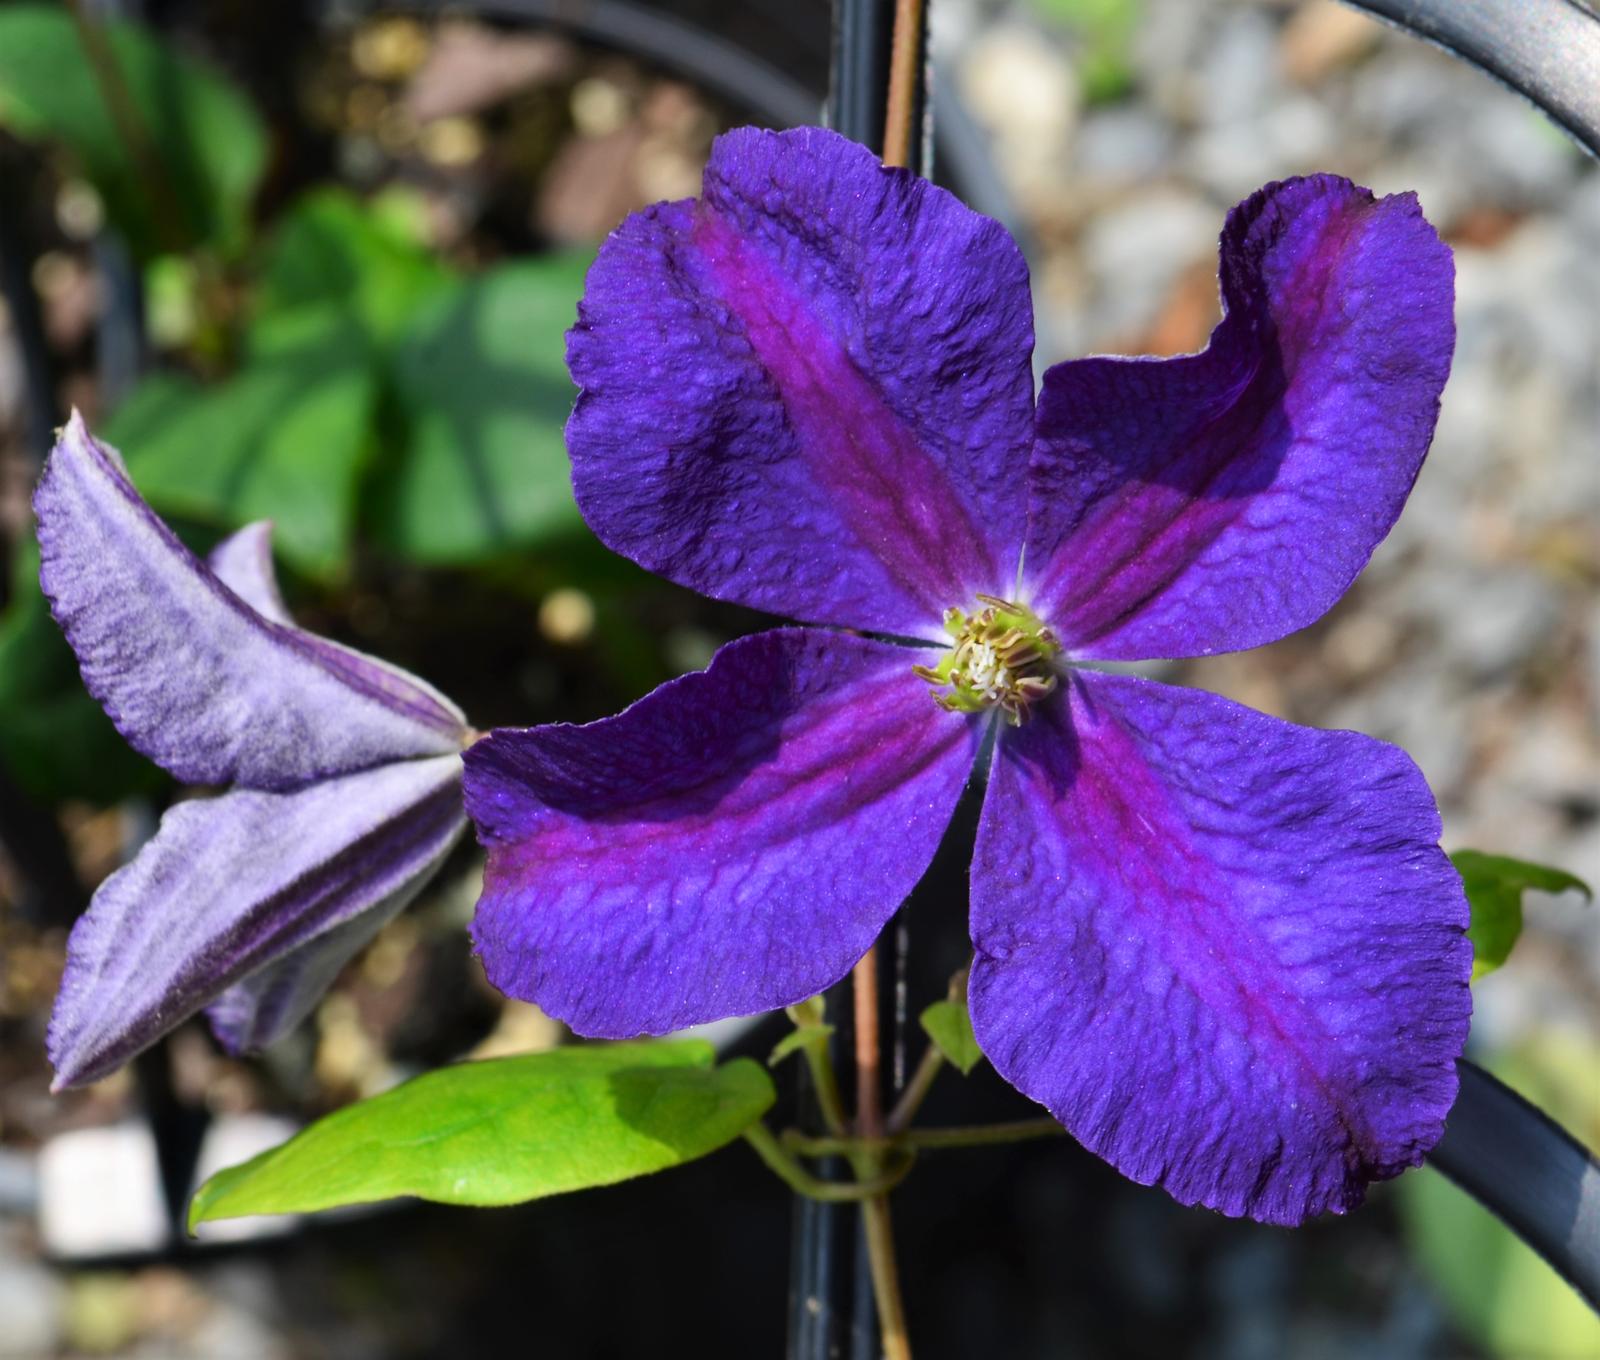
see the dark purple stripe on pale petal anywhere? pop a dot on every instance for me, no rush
(731, 843)
(233, 884)
(810, 392)
(263, 1007)
(193, 676)
(1226, 952)
(1221, 500)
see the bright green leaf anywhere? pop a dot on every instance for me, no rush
(505, 1130)
(330, 248)
(210, 143)
(1494, 886)
(283, 439)
(481, 383)
(950, 1027)
(54, 739)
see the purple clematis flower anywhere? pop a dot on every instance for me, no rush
(342, 778)
(1226, 952)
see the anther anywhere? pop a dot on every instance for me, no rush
(1001, 658)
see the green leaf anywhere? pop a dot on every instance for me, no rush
(331, 248)
(950, 1027)
(209, 141)
(283, 439)
(54, 738)
(505, 1130)
(1494, 885)
(481, 384)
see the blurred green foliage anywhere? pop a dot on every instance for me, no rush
(328, 370)
(378, 390)
(283, 439)
(1104, 31)
(54, 739)
(482, 393)
(210, 144)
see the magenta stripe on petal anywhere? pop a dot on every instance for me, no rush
(1226, 952)
(1221, 500)
(191, 674)
(731, 843)
(809, 392)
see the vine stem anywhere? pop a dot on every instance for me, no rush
(925, 1140)
(905, 62)
(905, 71)
(916, 1091)
(864, 992)
(781, 1163)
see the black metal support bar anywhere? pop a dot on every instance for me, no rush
(1545, 50)
(1528, 1171)
(715, 63)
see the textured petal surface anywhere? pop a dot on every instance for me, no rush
(1223, 499)
(731, 843)
(228, 886)
(810, 390)
(193, 676)
(1226, 952)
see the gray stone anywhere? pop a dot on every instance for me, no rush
(32, 1300)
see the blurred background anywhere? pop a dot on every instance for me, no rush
(313, 260)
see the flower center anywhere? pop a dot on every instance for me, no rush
(1001, 659)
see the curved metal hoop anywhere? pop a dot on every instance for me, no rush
(1546, 50)
(1530, 1172)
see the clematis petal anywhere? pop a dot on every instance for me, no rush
(1221, 500)
(1226, 952)
(263, 1007)
(191, 674)
(731, 843)
(810, 391)
(231, 885)
(243, 563)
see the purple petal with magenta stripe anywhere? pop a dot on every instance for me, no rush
(810, 391)
(1224, 951)
(1221, 500)
(190, 673)
(732, 843)
(234, 884)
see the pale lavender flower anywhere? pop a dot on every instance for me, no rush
(338, 778)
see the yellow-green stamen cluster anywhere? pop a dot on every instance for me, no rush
(1002, 659)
